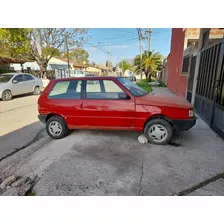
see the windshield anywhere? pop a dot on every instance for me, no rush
(5, 78)
(134, 89)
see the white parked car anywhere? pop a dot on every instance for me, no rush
(12, 84)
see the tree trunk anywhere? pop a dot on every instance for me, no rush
(43, 70)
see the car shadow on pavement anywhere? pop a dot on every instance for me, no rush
(20, 138)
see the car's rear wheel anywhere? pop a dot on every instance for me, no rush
(56, 127)
(37, 90)
(158, 131)
(6, 95)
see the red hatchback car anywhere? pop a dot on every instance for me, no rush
(111, 103)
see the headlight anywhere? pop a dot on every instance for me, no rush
(191, 113)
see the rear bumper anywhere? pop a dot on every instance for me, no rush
(183, 125)
(42, 118)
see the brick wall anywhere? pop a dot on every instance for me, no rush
(176, 81)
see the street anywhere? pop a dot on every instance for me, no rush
(109, 162)
(19, 123)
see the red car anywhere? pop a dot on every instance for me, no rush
(111, 103)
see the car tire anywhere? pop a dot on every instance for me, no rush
(56, 127)
(158, 131)
(6, 95)
(36, 90)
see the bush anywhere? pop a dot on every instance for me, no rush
(145, 85)
(162, 84)
(2, 71)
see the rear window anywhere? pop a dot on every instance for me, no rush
(66, 90)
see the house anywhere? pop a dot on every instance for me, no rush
(183, 43)
(5, 63)
(28, 65)
(196, 71)
(73, 64)
(94, 70)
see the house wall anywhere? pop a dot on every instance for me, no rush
(176, 81)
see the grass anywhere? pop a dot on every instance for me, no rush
(145, 85)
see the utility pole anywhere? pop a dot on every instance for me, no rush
(149, 38)
(67, 50)
(140, 43)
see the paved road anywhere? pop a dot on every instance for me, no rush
(19, 123)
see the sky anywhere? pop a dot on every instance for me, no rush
(123, 43)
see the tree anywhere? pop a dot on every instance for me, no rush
(14, 42)
(150, 63)
(41, 44)
(80, 55)
(124, 65)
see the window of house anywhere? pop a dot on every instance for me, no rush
(102, 89)
(185, 65)
(66, 90)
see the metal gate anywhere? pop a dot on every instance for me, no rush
(209, 98)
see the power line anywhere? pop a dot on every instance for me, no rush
(125, 31)
(118, 41)
(110, 38)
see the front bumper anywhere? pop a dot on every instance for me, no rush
(42, 118)
(183, 125)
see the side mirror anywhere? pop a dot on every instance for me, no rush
(14, 81)
(123, 96)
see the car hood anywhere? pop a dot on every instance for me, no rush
(164, 101)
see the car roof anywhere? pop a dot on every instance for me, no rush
(88, 77)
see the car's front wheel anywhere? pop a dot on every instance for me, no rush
(6, 95)
(158, 131)
(56, 127)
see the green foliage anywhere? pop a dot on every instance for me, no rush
(79, 55)
(161, 84)
(2, 71)
(145, 85)
(125, 65)
(150, 63)
(14, 42)
(40, 44)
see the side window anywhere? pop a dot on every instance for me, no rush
(102, 89)
(28, 77)
(93, 86)
(66, 90)
(19, 78)
(112, 87)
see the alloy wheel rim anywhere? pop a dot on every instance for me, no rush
(55, 128)
(37, 90)
(158, 133)
(7, 95)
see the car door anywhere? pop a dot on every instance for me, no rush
(65, 99)
(18, 85)
(29, 83)
(102, 107)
